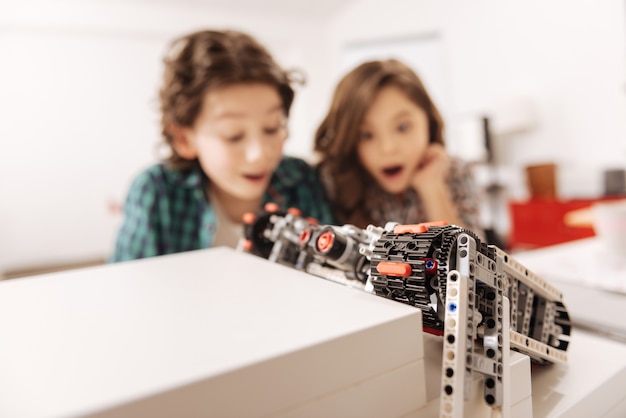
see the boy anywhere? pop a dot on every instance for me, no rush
(224, 104)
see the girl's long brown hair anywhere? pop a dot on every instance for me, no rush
(337, 137)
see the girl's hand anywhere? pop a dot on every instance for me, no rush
(432, 170)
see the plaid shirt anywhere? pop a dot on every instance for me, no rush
(166, 210)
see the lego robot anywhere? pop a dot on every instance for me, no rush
(474, 295)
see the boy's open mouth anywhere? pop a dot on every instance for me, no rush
(255, 177)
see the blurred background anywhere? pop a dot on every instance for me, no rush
(521, 84)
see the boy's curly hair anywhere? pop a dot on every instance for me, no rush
(205, 60)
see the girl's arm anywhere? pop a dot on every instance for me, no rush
(430, 183)
(447, 190)
(438, 203)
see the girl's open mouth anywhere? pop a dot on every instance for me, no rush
(392, 171)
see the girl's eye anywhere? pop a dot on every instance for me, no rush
(365, 136)
(404, 127)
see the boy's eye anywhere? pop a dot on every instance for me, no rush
(404, 127)
(273, 130)
(234, 138)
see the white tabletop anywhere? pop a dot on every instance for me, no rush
(591, 384)
(592, 284)
(585, 262)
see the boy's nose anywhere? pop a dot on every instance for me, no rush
(256, 149)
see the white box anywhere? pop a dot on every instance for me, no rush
(205, 333)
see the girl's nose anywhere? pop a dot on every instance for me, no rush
(256, 149)
(387, 145)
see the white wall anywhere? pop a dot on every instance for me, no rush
(567, 58)
(80, 116)
(78, 84)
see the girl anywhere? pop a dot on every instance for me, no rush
(383, 156)
(224, 107)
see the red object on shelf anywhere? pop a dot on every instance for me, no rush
(540, 222)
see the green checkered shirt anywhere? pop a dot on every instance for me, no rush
(166, 210)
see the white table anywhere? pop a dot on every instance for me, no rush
(592, 384)
(586, 262)
(219, 333)
(593, 283)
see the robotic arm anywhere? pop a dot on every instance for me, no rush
(444, 270)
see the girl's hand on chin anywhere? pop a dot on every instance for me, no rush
(432, 170)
